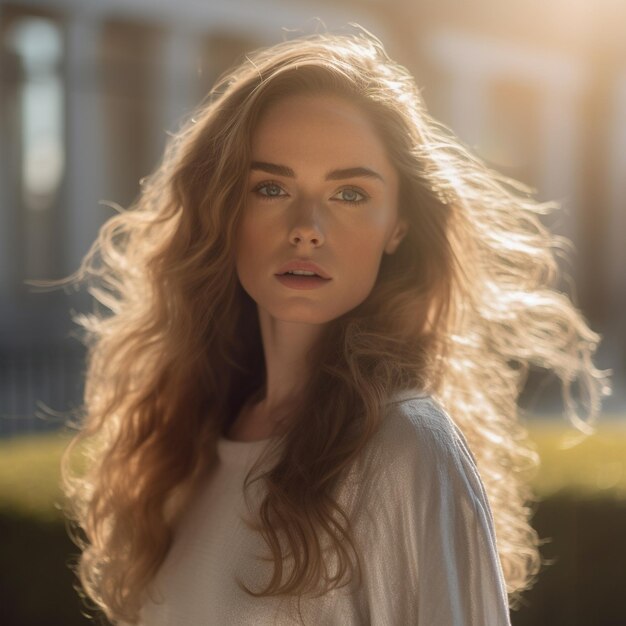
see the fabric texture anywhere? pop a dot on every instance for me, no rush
(420, 517)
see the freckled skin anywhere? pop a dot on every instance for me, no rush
(309, 216)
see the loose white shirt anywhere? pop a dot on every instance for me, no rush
(420, 517)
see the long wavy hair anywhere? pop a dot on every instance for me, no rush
(462, 309)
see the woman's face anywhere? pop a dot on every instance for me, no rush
(320, 188)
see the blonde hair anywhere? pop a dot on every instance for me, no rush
(462, 309)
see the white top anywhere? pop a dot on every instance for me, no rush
(420, 518)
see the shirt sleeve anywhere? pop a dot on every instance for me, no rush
(430, 557)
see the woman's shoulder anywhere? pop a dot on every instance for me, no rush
(417, 434)
(412, 417)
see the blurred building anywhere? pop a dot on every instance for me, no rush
(89, 91)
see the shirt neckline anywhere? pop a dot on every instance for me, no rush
(240, 453)
(232, 449)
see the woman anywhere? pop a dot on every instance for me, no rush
(264, 447)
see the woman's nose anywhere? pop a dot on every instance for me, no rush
(305, 226)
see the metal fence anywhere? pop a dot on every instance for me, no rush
(41, 388)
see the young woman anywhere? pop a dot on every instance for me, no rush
(301, 407)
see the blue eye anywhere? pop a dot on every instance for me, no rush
(352, 196)
(272, 190)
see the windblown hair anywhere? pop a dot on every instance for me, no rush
(464, 307)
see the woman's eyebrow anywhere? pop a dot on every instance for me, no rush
(353, 172)
(273, 168)
(349, 172)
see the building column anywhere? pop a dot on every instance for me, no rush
(615, 250)
(468, 107)
(86, 178)
(561, 166)
(178, 83)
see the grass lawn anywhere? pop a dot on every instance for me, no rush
(594, 466)
(591, 466)
(30, 474)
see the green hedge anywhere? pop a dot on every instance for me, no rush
(36, 584)
(585, 584)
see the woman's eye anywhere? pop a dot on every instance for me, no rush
(351, 195)
(269, 190)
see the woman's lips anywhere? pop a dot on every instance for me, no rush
(303, 264)
(296, 281)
